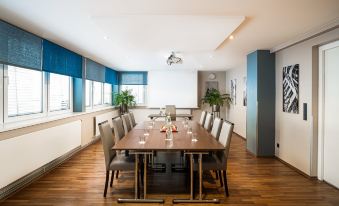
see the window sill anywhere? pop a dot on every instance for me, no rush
(31, 122)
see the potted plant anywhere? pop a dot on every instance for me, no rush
(215, 99)
(124, 99)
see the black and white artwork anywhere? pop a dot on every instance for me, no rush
(234, 90)
(244, 101)
(291, 89)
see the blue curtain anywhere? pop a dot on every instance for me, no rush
(19, 48)
(59, 60)
(111, 76)
(132, 78)
(95, 71)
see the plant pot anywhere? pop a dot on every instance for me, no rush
(215, 108)
(123, 108)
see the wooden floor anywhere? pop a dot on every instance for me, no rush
(252, 181)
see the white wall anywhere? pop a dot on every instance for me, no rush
(236, 113)
(297, 138)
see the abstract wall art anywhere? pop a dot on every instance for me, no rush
(291, 89)
(234, 91)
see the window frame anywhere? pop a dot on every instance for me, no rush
(145, 94)
(6, 118)
(92, 106)
(55, 112)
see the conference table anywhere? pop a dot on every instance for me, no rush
(182, 141)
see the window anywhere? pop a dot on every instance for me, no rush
(97, 93)
(88, 93)
(138, 91)
(24, 91)
(107, 93)
(59, 92)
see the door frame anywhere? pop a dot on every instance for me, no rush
(321, 106)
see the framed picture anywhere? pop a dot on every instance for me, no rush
(291, 89)
(212, 85)
(244, 92)
(234, 91)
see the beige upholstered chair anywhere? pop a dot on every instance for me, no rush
(202, 118)
(118, 129)
(215, 132)
(133, 123)
(172, 110)
(113, 162)
(126, 122)
(218, 161)
(208, 121)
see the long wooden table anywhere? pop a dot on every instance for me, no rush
(182, 141)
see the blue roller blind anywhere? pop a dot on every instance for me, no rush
(59, 60)
(132, 78)
(19, 48)
(95, 71)
(111, 76)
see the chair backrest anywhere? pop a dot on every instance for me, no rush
(107, 140)
(126, 122)
(118, 128)
(215, 132)
(202, 118)
(172, 110)
(208, 121)
(131, 115)
(225, 138)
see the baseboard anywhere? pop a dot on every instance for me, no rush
(240, 136)
(295, 169)
(33, 176)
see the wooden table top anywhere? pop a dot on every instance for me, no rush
(181, 140)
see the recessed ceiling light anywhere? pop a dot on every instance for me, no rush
(231, 37)
(210, 56)
(106, 37)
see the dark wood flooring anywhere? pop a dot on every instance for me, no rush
(252, 181)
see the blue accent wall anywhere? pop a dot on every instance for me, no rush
(260, 120)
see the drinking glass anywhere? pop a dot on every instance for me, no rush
(146, 131)
(194, 137)
(142, 139)
(189, 130)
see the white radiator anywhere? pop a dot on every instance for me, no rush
(24, 154)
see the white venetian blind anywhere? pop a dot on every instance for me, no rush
(59, 92)
(107, 93)
(24, 91)
(97, 93)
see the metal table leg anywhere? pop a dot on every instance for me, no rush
(192, 200)
(136, 186)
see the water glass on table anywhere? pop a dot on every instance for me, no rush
(142, 139)
(194, 137)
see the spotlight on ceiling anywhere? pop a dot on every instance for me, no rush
(173, 59)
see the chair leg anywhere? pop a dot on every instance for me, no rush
(112, 177)
(219, 174)
(117, 174)
(216, 174)
(106, 183)
(225, 183)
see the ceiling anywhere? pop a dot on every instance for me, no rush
(141, 34)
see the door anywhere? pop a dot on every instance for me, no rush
(331, 115)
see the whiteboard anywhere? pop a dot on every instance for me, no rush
(173, 87)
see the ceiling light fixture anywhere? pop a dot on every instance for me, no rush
(231, 37)
(173, 59)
